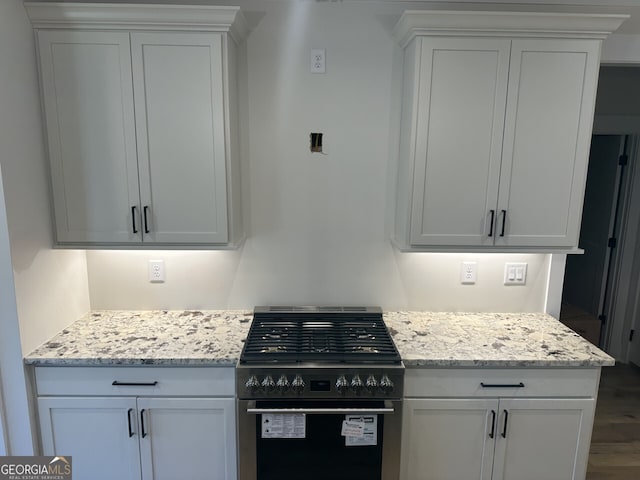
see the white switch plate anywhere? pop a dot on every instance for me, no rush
(317, 60)
(156, 271)
(468, 273)
(515, 273)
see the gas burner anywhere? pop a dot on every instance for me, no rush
(274, 349)
(275, 335)
(361, 335)
(364, 349)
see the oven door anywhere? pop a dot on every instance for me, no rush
(321, 452)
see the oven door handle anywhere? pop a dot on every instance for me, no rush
(388, 408)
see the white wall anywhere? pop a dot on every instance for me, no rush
(51, 285)
(41, 290)
(14, 410)
(317, 229)
(257, 276)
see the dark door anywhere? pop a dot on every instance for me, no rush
(586, 275)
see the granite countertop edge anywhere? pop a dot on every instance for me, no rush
(193, 338)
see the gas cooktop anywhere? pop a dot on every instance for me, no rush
(294, 335)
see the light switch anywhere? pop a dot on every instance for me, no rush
(515, 273)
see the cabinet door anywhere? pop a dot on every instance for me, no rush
(88, 103)
(448, 439)
(544, 439)
(187, 438)
(552, 88)
(100, 435)
(462, 94)
(178, 84)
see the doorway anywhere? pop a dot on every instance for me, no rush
(603, 284)
(601, 294)
(587, 281)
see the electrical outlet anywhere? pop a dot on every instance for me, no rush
(468, 273)
(317, 60)
(156, 271)
(515, 273)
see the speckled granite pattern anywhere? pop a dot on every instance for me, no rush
(429, 339)
(190, 338)
(215, 338)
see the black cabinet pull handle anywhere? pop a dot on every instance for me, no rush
(493, 424)
(144, 434)
(493, 216)
(146, 221)
(502, 385)
(133, 219)
(504, 221)
(504, 429)
(134, 384)
(129, 420)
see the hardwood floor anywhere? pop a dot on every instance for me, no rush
(615, 444)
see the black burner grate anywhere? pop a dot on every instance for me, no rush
(324, 335)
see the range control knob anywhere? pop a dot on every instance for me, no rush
(282, 384)
(356, 384)
(341, 384)
(268, 384)
(297, 385)
(386, 385)
(371, 384)
(252, 385)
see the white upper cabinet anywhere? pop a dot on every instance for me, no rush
(460, 117)
(497, 110)
(141, 122)
(179, 104)
(547, 133)
(88, 104)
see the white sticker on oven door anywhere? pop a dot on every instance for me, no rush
(352, 429)
(369, 431)
(283, 425)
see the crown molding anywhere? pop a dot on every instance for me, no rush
(413, 23)
(101, 16)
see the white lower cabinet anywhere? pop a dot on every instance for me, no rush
(149, 437)
(447, 439)
(94, 432)
(543, 439)
(500, 435)
(187, 438)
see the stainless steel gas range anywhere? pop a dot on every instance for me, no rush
(319, 395)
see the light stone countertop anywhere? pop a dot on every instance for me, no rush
(434, 339)
(215, 338)
(167, 338)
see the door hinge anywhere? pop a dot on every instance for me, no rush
(602, 318)
(631, 335)
(623, 160)
(613, 242)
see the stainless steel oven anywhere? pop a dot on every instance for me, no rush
(319, 396)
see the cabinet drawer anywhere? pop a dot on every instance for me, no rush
(148, 381)
(452, 382)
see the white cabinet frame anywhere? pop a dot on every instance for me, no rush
(124, 176)
(501, 165)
